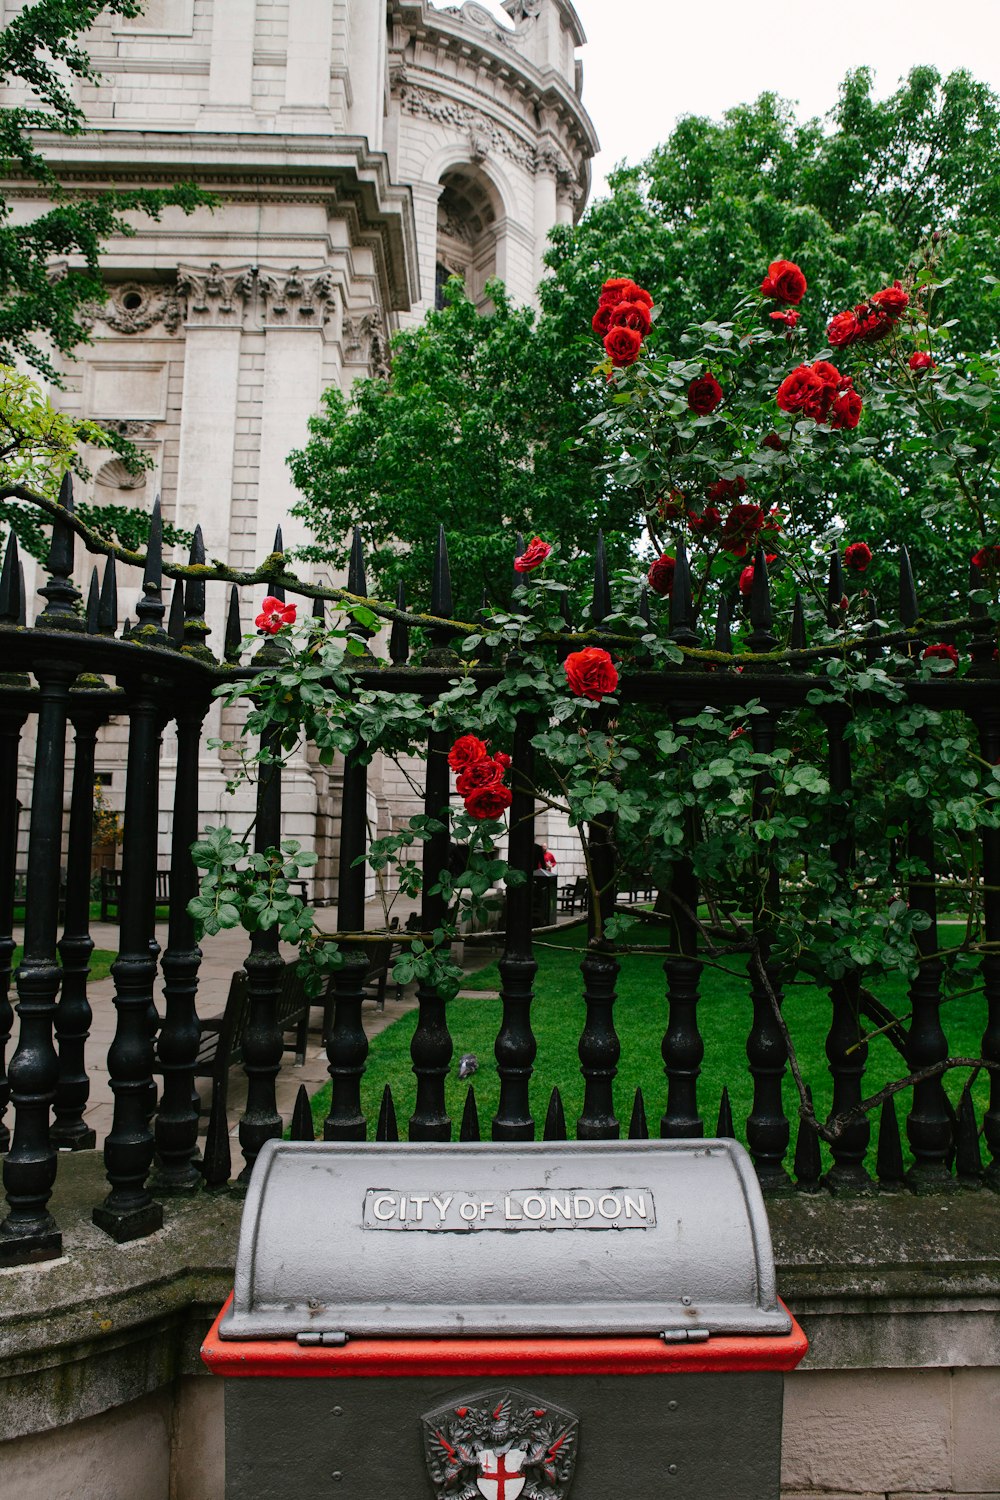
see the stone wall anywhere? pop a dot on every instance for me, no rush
(102, 1395)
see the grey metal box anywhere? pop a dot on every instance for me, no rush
(471, 1321)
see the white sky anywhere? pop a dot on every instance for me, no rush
(648, 61)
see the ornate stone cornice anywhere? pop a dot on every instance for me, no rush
(484, 134)
(365, 342)
(297, 299)
(215, 296)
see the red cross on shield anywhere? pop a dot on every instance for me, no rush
(501, 1477)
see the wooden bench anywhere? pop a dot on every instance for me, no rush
(111, 890)
(576, 893)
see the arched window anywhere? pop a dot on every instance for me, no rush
(469, 228)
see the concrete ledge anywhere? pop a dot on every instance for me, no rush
(899, 1398)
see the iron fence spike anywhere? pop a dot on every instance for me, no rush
(638, 1129)
(234, 631)
(470, 1118)
(968, 1159)
(555, 1118)
(889, 1155)
(108, 612)
(10, 583)
(387, 1129)
(797, 640)
(600, 606)
(302, 1128)
(93, 604)
(399, 636)
(724, 1129)
(441, 602)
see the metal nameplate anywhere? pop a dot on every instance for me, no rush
(513, 1210)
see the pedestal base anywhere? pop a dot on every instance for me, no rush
(21, 1250)
(129, 1224)
(86, 1140)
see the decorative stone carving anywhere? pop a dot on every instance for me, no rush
(479, 16)
(479, 146)
(365, 341)
(454, 229)
(467, 121)
(115, 475)
(524, 10)
(130, 428)
(133, 307)
(215, 296)
(548, 158)
(297, 298)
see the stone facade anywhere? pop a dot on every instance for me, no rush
(360, 150)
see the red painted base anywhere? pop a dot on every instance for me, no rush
(520, 1357)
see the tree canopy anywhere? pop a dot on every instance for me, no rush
(484, 423)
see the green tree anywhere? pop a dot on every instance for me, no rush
(486, 424)
(37, 49)
(474, 430)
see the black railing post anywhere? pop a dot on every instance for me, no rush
(683, 1048)
(599, 1048)
(11, 724)
(262, 1043)
(29, 1232)
(431, 1047)
(347, 1045)
(989, 739)
(768, 1131)
(176, 1131)
(129, 1212)
(928, 1125)
(73, 1013)
(515, 1044)
(846, 1049)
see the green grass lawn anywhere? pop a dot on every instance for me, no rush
(640, 1016)
(100, 962)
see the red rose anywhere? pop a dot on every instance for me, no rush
(892, 300)
(987, 560)
(800, 389)
(846, 408)
(773, 441)
(741, 529)
(789, 318)
(941, 652)
(704, 394)
(772, 521)
(673, 507)
(724, 490)
(623, 345)
(830, 375)
(503, 761)
(784, 281)
(613, 291)
(857, 557)
(706, 523)
(601, 321)
(590, 673)
(632, 315)
(533, 555)
(488, 802)
(465, 751)
(842, 330)
(273, 614)
(633, 293)
(661, 574)
(484, 772)
(919, 361)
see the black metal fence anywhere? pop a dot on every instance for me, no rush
(71, 670)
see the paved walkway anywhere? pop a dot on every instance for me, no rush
(222, 956)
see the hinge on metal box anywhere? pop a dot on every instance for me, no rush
(328, 1340)
(684, 1335)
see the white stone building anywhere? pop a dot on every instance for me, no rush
(361, 151)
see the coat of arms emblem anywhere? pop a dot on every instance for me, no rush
(500, 1445)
